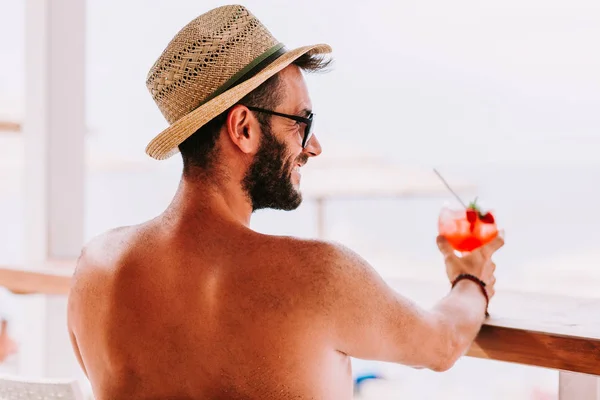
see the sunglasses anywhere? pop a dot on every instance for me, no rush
(308, 121)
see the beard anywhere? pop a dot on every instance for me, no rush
(268, 182)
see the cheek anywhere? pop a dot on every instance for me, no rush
(296, 158)
(293, 153)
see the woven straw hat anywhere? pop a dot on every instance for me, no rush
(210, 65)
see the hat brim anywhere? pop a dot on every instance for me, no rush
(166, 143)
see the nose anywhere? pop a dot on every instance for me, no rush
(313, 147)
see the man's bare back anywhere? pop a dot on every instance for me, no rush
(221, 312)
(187, 310)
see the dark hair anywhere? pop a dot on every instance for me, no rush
(198, 151)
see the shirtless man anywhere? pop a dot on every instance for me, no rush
(196, 305)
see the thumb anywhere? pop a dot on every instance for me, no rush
(444, 246)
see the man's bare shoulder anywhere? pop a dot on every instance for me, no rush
(327, 259)
(320, 250)
(104, 248)
(102, 255)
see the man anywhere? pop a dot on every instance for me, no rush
(194, 304)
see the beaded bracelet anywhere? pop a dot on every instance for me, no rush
(481, 285)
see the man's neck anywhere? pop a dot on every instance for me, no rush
(200, 197)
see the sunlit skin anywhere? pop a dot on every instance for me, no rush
(196, 305)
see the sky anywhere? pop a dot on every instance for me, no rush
(425, 82)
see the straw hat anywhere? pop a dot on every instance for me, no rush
(210, 65)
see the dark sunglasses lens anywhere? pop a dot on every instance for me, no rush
(309, 131)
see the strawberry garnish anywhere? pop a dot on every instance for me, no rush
(471, 216)
(474, 213)
(487, 218)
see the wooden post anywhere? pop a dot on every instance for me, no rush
(54, 170)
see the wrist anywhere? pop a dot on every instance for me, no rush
(466, 280)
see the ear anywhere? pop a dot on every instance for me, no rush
(243, 129)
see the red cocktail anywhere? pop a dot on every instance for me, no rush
(467, 229)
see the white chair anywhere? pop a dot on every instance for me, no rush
(13, 388)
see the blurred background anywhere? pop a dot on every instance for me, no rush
(501, 97)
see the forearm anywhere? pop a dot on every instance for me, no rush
(461, 314)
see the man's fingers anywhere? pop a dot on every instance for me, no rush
(494, 245)
(445, 247)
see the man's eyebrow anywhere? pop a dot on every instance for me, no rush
(306, 111)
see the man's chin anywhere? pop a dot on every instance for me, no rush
(298, 203)
(291, 204)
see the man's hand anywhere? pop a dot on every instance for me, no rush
(478, 262)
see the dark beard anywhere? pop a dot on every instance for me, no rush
(268, 181)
